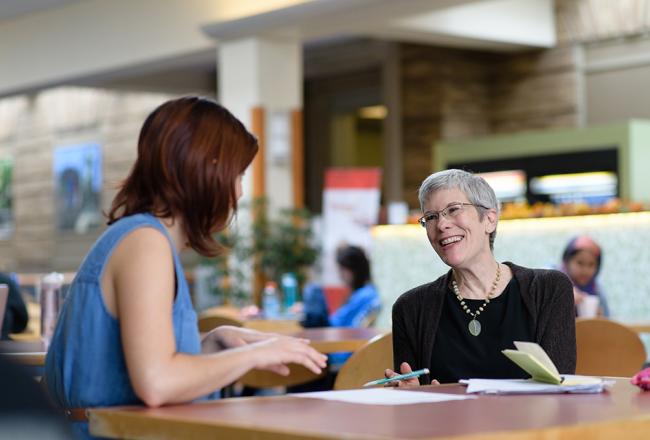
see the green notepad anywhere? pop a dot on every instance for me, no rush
(533, 359)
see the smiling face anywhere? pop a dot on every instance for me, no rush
(582, 267)
(463, 239)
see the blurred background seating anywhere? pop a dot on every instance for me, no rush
(607, 348)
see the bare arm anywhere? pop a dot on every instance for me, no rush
(142, 278)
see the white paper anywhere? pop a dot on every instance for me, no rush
(571, 384)
(383, 396)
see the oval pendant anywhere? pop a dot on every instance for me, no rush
(474, 327)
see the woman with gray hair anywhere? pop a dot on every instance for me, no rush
(457, 325)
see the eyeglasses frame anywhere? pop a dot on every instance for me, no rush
(442, 213)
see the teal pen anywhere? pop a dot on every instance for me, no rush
(417, 373)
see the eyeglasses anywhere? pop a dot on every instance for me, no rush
(451, 211)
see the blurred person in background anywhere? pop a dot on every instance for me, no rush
(457, 325)
(128, 333)
(362, 304)
(581, 261)
(359, 310)
(16, 317)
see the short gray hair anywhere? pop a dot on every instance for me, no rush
(477, 190)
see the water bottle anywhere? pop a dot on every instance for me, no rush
(51, 298)
(289, 290)
(271, 301)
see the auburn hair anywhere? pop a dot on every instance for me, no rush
(191, 151)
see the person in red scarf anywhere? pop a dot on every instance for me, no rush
(581, 261)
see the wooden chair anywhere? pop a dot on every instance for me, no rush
(370, 319)
(211, 319)
(267, 379)
(607, 348)
(208, 322)
(367, 363)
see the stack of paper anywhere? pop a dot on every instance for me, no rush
(383, 396)
(570, 384)
(545, 378)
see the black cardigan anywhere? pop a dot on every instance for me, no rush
(15, 319)
(547, 296)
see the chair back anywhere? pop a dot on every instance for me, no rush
(211, 321)
(370, 319)
(266, 379)
(366, 364)
(608, 348)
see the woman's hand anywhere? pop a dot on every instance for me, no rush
(272, 351)
(275, 353)
(228, 336)
(405, 368)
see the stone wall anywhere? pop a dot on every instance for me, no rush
(452, 94)
(535, 90)
(586, 21)
(444, 94)
(31, 127)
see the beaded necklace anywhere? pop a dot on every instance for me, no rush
(474, 326)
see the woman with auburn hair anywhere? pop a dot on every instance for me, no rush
(127, 333)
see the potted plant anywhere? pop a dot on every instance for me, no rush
(272, 246)
(282, 243)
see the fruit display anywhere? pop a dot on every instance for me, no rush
(519, 210)
(524, 210)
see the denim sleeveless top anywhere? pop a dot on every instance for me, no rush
(85, 364)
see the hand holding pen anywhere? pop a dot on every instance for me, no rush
(405, 368)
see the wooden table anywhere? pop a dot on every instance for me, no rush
(326, 340)
(639, 328)
(337, 339)
(26, 353)
(624, 412)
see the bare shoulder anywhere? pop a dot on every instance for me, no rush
(145, 239)
(142, 260)
(144, 250)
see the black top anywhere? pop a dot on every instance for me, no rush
(16, 317)
(459, 355)
(547, 296)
